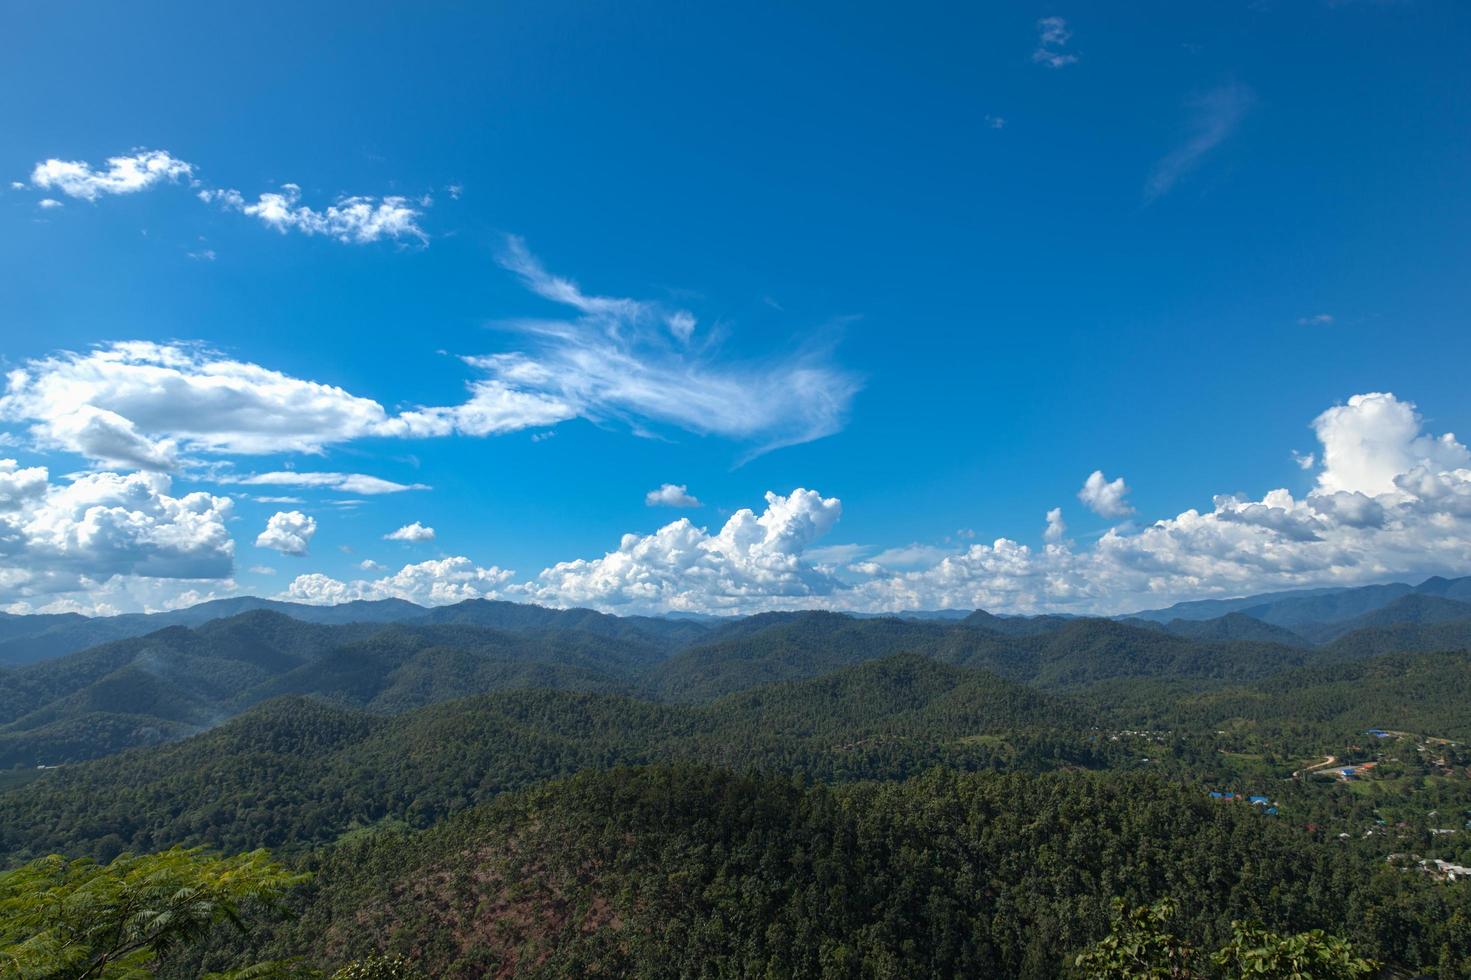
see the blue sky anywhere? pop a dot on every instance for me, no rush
(937, 263)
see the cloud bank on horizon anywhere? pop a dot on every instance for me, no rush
(1390, 499)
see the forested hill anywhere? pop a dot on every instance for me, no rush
(176, 681)
(181, 680)
(804, 785)
(680, 871)
(296, 771)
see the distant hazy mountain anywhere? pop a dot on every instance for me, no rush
(27, 639)
(1233, 626)
(1413, 609)
(1308, 607)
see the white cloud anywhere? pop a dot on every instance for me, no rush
(429, 583)
(352, 220)
(1375, 438)
(754, 562)
(1316, 320)
(135, 403)
(1056, 527)
(369, 565)
(143, 404)
(1052, 36)
(1393, 501)
(1359, 527)
(615, 361)
(1105, 498)
(682, 324)
(996, 122)
(910, 555)
(414, 533)
(836, 554)
(123, 174)
(289, 532)
(1214, 117)
(671, 495)
(261, 570)
(48, 203)
(360, 483)
(494, 408)
(1304, 461)
(58, 538)
(124, 594)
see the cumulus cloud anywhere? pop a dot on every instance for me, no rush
(124, 594)
(1214, 117)
(135, 403)
(1376, 437)
(122, 175)
(429, 583)
(369, 565)
(414, 533)
(1392, 500)
(1052, 37)
(753, 562)
(360, 483)
(1104, 497)
(671, 495)
(353, 220)
(1056, 527)
(289, 532)
(77, 535)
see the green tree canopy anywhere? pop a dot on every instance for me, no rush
(66, 919)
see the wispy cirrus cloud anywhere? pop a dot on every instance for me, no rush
(1214, 117)
(637, 362)
(1053, 36)
(359, 483)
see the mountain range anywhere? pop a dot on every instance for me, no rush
(211, 662)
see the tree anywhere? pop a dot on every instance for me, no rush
(379, 968)
(1139, 946)
(77, 919)
(1315, 955)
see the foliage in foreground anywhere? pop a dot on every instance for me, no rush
(1141, 947)
(78, 919)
